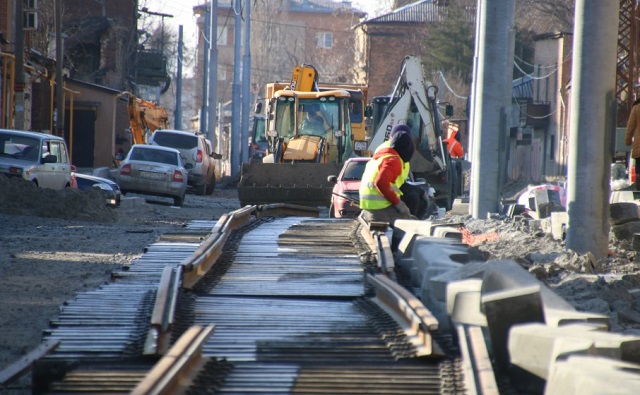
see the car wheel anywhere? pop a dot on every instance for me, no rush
(202, 188)
(212, 185)
(332, 214)
(178, 200)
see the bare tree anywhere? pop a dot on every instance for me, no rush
(544, 16)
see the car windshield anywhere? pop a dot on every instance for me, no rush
(354, 170)
(152, 155)
(19, 147)
(175, 140)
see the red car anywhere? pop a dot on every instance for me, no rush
(344, 199)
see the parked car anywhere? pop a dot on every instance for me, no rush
(110, 188)
(197, 155)
(344, 198)
(37, 157)
(153, 170)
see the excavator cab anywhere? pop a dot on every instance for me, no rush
(309, 138)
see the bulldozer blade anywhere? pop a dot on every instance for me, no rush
(303, 184)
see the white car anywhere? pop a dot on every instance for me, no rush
(197, 155)
(152, 170)
(37, 157)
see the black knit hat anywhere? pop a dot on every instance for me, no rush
(402, 143)
(399, 128)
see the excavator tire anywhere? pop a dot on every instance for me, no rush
(303, 184)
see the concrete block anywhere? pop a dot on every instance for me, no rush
(623, 212)
(535, 225)
(466, 309)
(433, 254)
(448, 232)
(559, 222)
(545, 225)
(533, 348)
(507, 274)
(588, 375)
(471, 270)
(455, 287)
(506, 308)
(559, 317)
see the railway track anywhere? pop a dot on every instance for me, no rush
(274, 300)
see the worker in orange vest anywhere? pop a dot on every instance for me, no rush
(453, 144)
(456, 152)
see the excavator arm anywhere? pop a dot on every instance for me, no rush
(413, 102)
(145, 117)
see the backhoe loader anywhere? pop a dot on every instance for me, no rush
(309, 137)
(145, 117)
(413, 102)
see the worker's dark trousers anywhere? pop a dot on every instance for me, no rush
(412, 196)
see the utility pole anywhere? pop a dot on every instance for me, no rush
(235, 159)
(205, 74)
(592, 121)
(493, 100)
(177, 121)
(246, 85)
(59, 126)
(19, 67)
(213, 75)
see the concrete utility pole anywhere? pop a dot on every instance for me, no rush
(59, 63)
(177, 115)
(493, 100)
(592, 122)
(235, 160)
(246, 85)
(19, 68)
(213, 75)
(205, 74)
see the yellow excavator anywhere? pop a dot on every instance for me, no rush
(309, 137)
(145, 117)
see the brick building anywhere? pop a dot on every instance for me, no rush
(385, 40)
(283, 35)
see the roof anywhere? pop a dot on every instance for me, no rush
(417, 12)
(523, 87)
(25, 133)
(310, 6)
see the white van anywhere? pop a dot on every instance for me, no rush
(37, 157)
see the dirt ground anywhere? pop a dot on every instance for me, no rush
(56, 244)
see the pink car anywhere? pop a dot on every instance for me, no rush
(344, 199)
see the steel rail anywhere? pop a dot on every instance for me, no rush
(162, 318)
(409, 312)
(176, 368)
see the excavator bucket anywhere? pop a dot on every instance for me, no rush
(294, 183)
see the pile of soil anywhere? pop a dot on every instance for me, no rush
(21, 197)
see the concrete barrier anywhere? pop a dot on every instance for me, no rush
(587, 375)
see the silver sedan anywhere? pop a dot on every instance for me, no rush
(153, 170)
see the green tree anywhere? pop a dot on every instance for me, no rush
(450, 41)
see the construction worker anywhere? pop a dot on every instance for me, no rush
(412, 195)
(632, 139)
(456, 152)
(379, 189)
(453, 143)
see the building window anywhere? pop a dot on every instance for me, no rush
(324, 40)
(222, 35)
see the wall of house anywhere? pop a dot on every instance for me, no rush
(392, 42)
(553, 70)
(103, 102)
